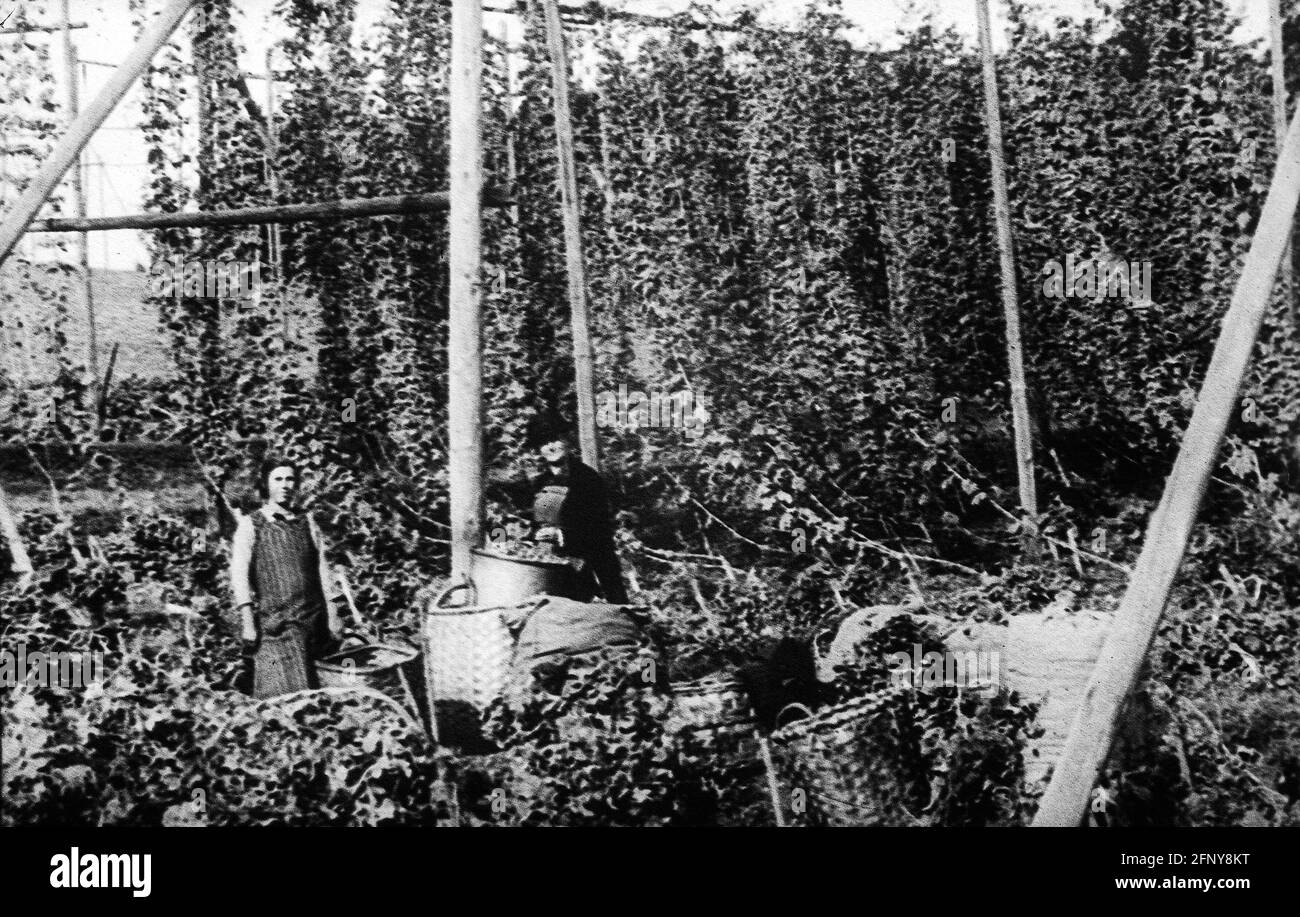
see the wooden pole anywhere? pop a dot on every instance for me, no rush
(272, 170)
(22, 563)
(354, 208)
(1278, 69)
(274, 237)
(79, 207)
(1010, 301)
(102, 407)
(24, 29)
(1066, 800)
(464, 339)
(250, 106)
(15, 222)
(203, 87)
(512, 161)
(590, 14)
(568, 180)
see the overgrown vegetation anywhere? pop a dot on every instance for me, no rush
(796, 227)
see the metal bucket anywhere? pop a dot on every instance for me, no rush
(501, 580)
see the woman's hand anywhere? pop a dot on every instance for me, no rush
(335, 622)
(552, 534)
(248, 628)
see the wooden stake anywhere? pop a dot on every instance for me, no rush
(1010, 301)
(22, 563)
(568, 180)
(1066, 799)
(274, 249)
(512, 161)
(464, 339)
(1278, 69)
(101, 406)
(83, 128)
(79, 206)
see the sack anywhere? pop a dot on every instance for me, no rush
(783, 674)
(559, 628)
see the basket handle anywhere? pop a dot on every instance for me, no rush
(832, 630)
(446, 593)
(353, 641)
(792, 708)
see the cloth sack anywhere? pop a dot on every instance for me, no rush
(556, 629)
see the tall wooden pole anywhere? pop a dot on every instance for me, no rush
(273, 232)
(1066, 800)
(1010, 300)
(21, 562)
(464, 341)
(568, 179)
(1278, 69)
(199, 54)
(69, 148)
(79, 205)
(272, 154)
(512, 161)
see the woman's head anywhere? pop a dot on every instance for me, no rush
(277, 481)
(549, 435)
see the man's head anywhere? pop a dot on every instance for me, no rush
(277, 482)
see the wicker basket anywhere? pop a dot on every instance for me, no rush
(709, 703)
(832, 757)
(467, 658)
(385, 667)
(715, 707)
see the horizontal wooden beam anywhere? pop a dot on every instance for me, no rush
(394, 205)
(24, 29)
(591, 13)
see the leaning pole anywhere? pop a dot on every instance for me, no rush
(1066, 800)
(69, 148)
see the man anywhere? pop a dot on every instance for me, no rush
(571, 508)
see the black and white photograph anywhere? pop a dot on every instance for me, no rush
(651, 413)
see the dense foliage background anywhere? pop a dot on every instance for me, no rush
(796, 227)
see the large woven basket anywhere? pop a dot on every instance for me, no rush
(714, 704)
(831, 764)
(387, 667)
(467, 658)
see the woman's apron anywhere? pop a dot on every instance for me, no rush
(290, 603)
(548, 502)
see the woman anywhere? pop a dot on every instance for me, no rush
(571, 507)
(280, 580)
